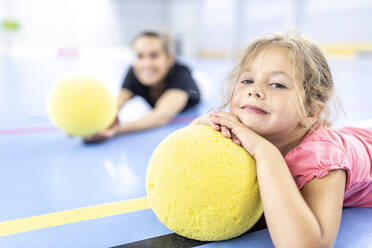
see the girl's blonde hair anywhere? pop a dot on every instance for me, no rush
(310, 68)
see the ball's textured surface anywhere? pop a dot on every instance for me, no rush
(203, 186)
(81, 105)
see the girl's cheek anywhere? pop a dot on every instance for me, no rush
(234, 105)
(235, 98)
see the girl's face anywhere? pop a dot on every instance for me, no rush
(265, 97)
(152, 62)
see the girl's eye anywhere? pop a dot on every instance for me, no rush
(154, 55)
(278, 85)
(247, 81)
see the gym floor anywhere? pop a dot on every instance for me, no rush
(58, 192)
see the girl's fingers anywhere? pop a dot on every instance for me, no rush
(236, 140)
(227, 125)
(219, 121)
(109, 133)
(226, 132)
(222, 122)
(196, 121)
(206, 120)
(214, 125)
(94, 140)
(225, 115)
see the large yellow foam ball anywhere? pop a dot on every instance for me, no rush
(203, 186)
(81, 105)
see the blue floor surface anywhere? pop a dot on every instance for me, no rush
(43, 171)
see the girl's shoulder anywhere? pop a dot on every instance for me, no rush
(319, 141)
(340, 137)
(327, 149)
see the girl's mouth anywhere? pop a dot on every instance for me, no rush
(254, 109)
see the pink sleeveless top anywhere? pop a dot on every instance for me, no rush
(324, 150)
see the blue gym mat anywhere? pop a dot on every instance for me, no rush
(53, 188)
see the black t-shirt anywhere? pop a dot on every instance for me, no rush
(178, 77)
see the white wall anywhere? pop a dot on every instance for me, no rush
(198, 25)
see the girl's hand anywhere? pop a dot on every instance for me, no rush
(110, 132)
(239, 133)
(207, 120)
(100, 136)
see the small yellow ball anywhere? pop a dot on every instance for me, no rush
(203, 186)
(81, 105)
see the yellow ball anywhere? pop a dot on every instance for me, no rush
(81, 105)
(203, 186)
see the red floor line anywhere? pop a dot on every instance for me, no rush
(185, 119)
(28, 130)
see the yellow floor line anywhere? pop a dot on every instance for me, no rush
(71, 216)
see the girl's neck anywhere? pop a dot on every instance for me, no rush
(158, 86)
(285, 143)
(156, 91)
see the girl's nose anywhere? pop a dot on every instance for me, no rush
(256, 92)
(144, 62)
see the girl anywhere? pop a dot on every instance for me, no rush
(156, 76)
(306, 171)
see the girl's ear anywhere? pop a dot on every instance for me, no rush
(171, 60)
(313, 115)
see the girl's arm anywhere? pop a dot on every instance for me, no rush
(310, 218)
(124, 96)
(325, 197)
(294, 219)
(170, 103)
